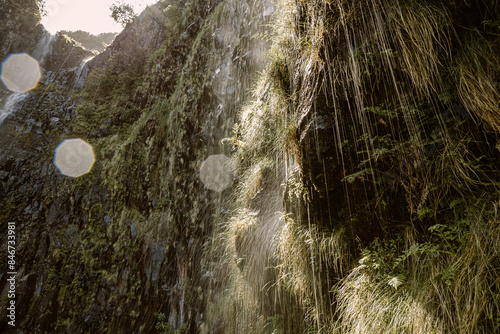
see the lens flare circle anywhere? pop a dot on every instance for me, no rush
(74, 157)
(20, 72)
(216, 172)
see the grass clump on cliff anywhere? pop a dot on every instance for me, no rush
(449, 284)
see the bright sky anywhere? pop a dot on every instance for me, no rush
(92, 16)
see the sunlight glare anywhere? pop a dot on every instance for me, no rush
(215, 172)
(20, 72)
(92, 16)
(74, 157)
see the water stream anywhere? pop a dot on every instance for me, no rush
(10, 104)
(40, 53)
(43, 47)
(81, 73)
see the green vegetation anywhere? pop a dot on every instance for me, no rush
(164, 327)
(366, 174)
(378, 122)
(21, 16)
(122, 12)
(134, 111)
(91, 42)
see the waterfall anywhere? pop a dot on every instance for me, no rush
(40, 52)
(81, 73)
(43, 47)
(10, 104)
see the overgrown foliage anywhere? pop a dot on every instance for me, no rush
(91, 42)
(122, 12)
(373, 132)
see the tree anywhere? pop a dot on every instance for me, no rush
(42, 8)
(122, 12)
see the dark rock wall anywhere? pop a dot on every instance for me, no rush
(107, 252)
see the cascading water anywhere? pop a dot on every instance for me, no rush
(348, 151)
(40, 52)
(239, 56)
(81, 73)
(43, 47)
(10, 105)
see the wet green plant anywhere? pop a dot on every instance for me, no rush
(411, 289)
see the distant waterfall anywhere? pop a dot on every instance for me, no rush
(10, 104)
(81, 73)
(40, 52)
(43, 47)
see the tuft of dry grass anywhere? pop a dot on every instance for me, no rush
(305, 255)
(421, 37)
(477, 74)
(437, 293)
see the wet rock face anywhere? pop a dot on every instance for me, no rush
(27, 175)
(106, 252)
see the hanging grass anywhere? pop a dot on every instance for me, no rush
(365, 139)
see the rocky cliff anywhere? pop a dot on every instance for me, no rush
(109, 251)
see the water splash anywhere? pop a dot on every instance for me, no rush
(26, 73)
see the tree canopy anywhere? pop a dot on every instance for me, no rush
(122, 12)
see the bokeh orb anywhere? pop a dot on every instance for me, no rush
(74, 157)
(216, 172)
(20, 72)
